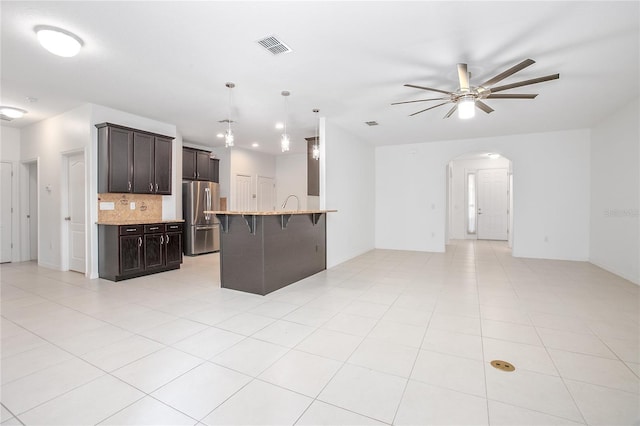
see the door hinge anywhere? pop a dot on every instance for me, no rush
(11, 245)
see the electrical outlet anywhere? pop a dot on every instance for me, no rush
(132, 205)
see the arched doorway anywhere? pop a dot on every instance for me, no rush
(480, 197)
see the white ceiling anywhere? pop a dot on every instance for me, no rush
(170, 60)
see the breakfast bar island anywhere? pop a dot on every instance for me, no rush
(261, 252)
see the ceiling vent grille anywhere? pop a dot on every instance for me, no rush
(371, 123)
(274, 45)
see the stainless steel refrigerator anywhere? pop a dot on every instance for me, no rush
(201, 231)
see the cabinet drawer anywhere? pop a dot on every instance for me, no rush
(154, 228)
(174, 227)
(130, 229)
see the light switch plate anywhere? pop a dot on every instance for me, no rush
(132, 205)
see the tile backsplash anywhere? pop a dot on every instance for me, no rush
(118, 207)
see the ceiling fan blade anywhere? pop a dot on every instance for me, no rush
(420, 100)
(451, 111)
(525, 83)
(428, 88)
(510, 96)
(463, 77)
(514, 69)
(486, 108)
(427, 109)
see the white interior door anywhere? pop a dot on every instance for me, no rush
(266, 193)
(493, 202)
(6, 209)
(244, 195)
(32, 213)
(76, 212)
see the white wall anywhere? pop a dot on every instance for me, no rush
(615, 193)
(291, 178)
(10, 153)
(458, 229)
(347, 183)
(48, 141)
(251, 163)
(551, 192)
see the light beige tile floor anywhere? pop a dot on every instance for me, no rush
(390, 337)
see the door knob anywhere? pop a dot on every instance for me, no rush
(68, 218)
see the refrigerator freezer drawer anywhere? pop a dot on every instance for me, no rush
(202, 239)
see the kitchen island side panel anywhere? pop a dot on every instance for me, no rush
(274, 255)
(242, 256)
(295, 252)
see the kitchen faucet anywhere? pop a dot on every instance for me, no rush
(285, 202)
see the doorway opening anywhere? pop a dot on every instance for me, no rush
(6, 212)
(29, 206)
(480, 198)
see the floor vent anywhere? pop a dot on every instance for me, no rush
(371, 123)
(274, 45)
(502, 365)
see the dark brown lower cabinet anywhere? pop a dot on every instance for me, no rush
(129, 251)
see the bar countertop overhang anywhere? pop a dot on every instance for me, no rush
(268, 212)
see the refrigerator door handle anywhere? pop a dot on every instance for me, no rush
(207, 201)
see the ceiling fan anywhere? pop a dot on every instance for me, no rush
(466, 98)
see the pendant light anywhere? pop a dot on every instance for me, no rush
(284, 141)
(315, 150)
(228, 135)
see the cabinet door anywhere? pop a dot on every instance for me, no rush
(162, 166)
(174, 248)
(203, 171)
(143, 152)
(153, 251)
(120, 174)
(188, 163)
(215, 170)
(130, 254)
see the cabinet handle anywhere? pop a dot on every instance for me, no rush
(156, 186)
(161, 239)
(198, 174)
(194, 175)
(167, 238)
(129, 186)
(132, 229)
(150, 187)
(155, 228)
(139, 241)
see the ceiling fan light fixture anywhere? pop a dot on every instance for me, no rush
(58, 41)
(228, 138)
(466, 107)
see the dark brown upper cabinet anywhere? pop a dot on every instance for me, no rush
(131, 160)
(313, 169)
(198, 165)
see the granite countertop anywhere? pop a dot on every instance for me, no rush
(137, 222)
(268, 213)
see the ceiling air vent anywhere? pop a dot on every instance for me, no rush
(371, 123)
(273, 45)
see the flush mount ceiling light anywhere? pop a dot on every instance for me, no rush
(284, 140)
(255, 144)
(228, 135)
(11, 112)
(315, 150)
(493, 156)
(58, 41)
